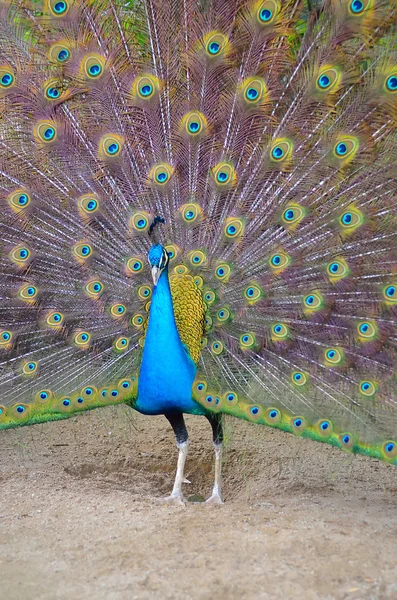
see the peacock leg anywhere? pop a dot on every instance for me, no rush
(217, 433)
(182, 441)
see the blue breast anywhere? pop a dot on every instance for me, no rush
(167, 371)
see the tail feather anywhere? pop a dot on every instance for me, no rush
(264, 133)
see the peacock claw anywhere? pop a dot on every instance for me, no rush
(177, 499)
(214, 499)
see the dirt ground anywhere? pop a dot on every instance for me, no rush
(79, 517)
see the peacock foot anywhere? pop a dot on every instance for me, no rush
(214, 499)
(177, 499)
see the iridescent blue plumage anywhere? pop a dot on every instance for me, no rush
(167, 371)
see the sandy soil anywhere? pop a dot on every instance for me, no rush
(79, 520)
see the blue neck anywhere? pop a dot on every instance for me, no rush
(167, 371)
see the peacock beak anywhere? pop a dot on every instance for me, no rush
(156, 272)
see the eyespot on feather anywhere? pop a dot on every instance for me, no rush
(281, 150)
(92, 66)
(43, 397)
(82, 251)
(94, 288)
(161, 174)
(345, 149)
(197, 258)
(217, 347)
(145, 87)
(299, 378)
(144, 292)
(367, 331)
(334, 357)
(121, 344)
(324, 427)
(337, 270)
(110, 146)
(266, 12)
(254, 91)
(133, 265)
(6, 339)
(21, 256)
(60, 53)
(223, 272)
(233, 228)
(313, 302)
(30, 368)
(138, 320)
(52, 90)
(194, 124)
(389, 293)
(292, 215)
(224, 175)
(216, 44)
(350, 220)
(272, 416)
(253, 293)
(191, 213)
(118, 310)
(140, 221)
(7, 79)
(88, 205)
(368, 388)
(230, 398)
(28, 293)
(279, 332)
(81, 339)
(45, 132)
(19, 200)
(58, 8)
(279, 261)
(54, 319)
(298, 425)
(248, 341)
(328, 79)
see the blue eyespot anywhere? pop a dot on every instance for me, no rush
(222, 177)
(60, 7)
(347, 218)
(125, 385)
(297, 376)
(31, 366)
(194, 126)
(80, 400)
(7, 79)
(189, 215)
(331, 354)
(104, 393)
(391, 83)
(146, 90)
(214, 47)
(97, 287)
(231, 230)
(162, 177)
(357, 6)
(141, 224)
(220, 271)
(334, 268)
(298, 422)
(200, 387)
(309, 300)
(196, 259)
(53, 92)
(43, 395)
(365, 386)
(324, 81)
(49, 133)
(66, 402)
(84, 337)
(364, 328)
(265, 15)
(95, 70)
(231, 397)
(23, 253)
(250, 292)
(85, 251)
(278, 329)
(254, 410)
(5, 336)
(252, 93)
(120, 309)
(289, 214)
(389, 447)
(22, 200)
(209, 399)
(92, 204)
(390, 291)
(88, 391)
(114, 393)
(63, 55)
(346, 439)
(20, 409)
(273, 414)
(113, 148)
(277, 152)
(324, 425)
(245, 339)
(31, 291)
(341, 149)
(276, 260)
(123, 342)
(56, 317)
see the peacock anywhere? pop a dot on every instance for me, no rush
(198, 215)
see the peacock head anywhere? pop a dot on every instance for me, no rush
(158, 260)
(158, 255)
